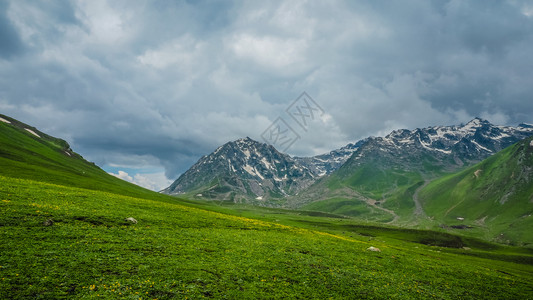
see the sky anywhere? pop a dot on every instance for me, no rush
(145, 88)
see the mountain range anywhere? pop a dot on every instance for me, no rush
(325, 164)
(474, 178)
(249, 171)
(421, 178)
(381, 179)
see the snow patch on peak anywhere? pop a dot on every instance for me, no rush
(472, 125)
(477, 121)
(481, 147)
(4, 120)
(245, 140)
(246, 153)
(231, 168)
(443, 151)
(266, 163)
(252, 171)
(249, 169)
(217, 150)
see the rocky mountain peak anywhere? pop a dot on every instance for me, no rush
(245, 169)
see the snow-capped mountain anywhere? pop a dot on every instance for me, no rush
(390, 169)
(243, 170)
(247, 170)
(324, 164)
(465, 144)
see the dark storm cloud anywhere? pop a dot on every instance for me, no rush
(477, 73)
(161, 83)
(10, 43)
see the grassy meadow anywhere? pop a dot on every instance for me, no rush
(63, 235)
(180, 251)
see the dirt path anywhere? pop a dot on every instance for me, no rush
(419, 211)
(372, 203)
(347, 192)
(453, 207)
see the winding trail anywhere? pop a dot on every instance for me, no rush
(369, 201)
(419, 211)
(372, 202)
(453, 207)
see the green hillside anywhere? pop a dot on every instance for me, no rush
(382, 180)
(48, 159)
(494, 197)
(375, 191)
(63, 234)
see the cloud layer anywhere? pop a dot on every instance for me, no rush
(161, 83)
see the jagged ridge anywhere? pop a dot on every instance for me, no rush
(385, 173)
(243, 169)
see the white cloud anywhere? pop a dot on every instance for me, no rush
(496, 118)
(151, 181)
(528, 11)
(183, 53)
(271, 52)
(123, 175)
(107, 25)
(154, 181)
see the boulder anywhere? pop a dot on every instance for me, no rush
(371, 248)
(130, 219)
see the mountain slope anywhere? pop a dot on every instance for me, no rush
(385, 173)
(494, 196)
(26, 152)
(327, 163)
(243, 170)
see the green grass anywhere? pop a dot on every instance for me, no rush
(191, 250)
(23, 155)
(492, 200)
(178, 251)
(401, 200)
(374, 181)
(494, 197)
(354, 228)
(393, 188)
(343, 206)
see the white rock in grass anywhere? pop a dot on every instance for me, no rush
(371, 248)
(130, 219)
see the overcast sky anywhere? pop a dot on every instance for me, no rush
(145, 88)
